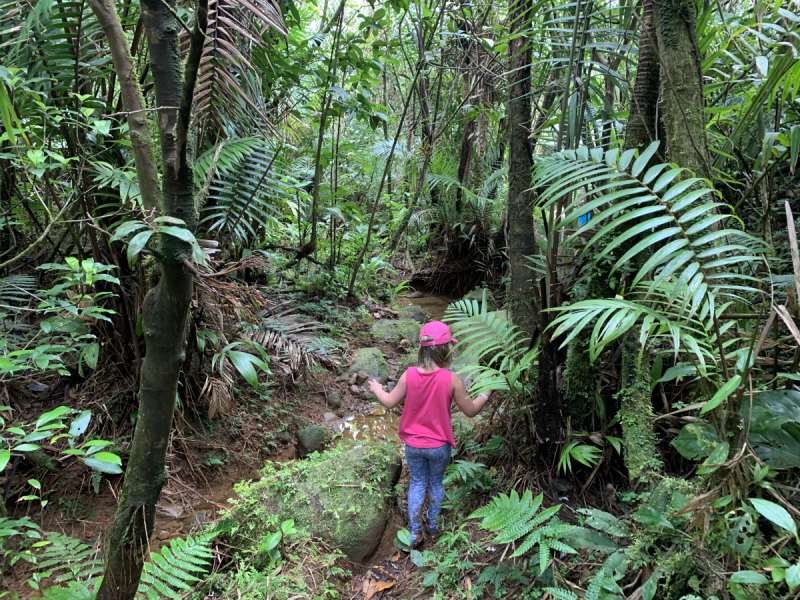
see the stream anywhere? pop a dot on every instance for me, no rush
(185, 510)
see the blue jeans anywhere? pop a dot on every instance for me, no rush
(427, 467)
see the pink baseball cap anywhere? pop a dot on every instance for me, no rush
(438, 331)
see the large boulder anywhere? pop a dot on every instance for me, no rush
(415, 313)
(477, 295)
(395, 330)
(341, 496)
(313, 438)
(371, 362)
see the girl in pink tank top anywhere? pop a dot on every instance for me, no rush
(425, 427)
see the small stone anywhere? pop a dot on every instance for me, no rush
(361, 377)
(391, 385)
(355, 389)
(377, 315)
(367, 393)
(312, 439)
(163, 535)
(404, 343)
(390, 355)
(352, 379)
(329, 416)
(334, 399)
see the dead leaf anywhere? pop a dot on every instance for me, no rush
(468, 587)
(369, 589)
(384, 585)
(395, 557)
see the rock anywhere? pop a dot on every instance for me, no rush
(415, 313)
(200, 517)
(329, 416)
(462, 425)
(415, 295)
(325, 497)
(334, 399)
(409, 360)
(395, 330)
(371, 362)
(352, 379)
(355, 389)
(367, 393)
(477, 295)
(361, 377)
(313, 438)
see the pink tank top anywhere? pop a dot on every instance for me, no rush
(425, 422)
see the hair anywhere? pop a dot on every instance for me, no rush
(430, 357)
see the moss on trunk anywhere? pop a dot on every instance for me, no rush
(636, 412)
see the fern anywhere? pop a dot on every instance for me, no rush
(513, 518)
(169, 574)
(692, 260)
(489, 337)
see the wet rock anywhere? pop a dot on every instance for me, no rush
(371, 362)
(361, 377)
(415, 295)
(329, 416)
(312, 439)
(415, 313)
(325, 497)
(395, 330)
(334, 399)
(477, 295)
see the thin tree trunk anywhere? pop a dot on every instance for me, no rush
(166, 306)
(131, 96)
(521, 236)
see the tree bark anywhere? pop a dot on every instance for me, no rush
(166, 306)
(521, 236)
(132, 101)
(683, 109)
(641, 128)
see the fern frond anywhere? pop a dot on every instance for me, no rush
(560, 594)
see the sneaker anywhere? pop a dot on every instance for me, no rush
(433, 531)
(416, 540)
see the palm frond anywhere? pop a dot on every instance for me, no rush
(689, 258)
(229, 88)
(247, 196)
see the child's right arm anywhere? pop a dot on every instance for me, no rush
(466, 405)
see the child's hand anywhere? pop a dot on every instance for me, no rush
(375, 387)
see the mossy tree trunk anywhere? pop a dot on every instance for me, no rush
(166, 306)
(635, 397)
(683, 109)
(521, 236)
(581, 375)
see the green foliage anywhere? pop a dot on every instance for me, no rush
(585, 454)
(170, 573)
(486, 337)
(512, 518)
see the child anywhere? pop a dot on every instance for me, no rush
(425, 424)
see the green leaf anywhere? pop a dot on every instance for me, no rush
(581, 537)
(124, 230)
(80, 423)
(5, 456)
(90, 354)
(430, 579)
(136, 245)
(605, 522)
(647, 515)
(179, 232)
(793, 576)
(25, 448)
(103, 466)
(644, 158)
(722, 394)
(52, 415)
(748, 577)
(108, 457)
(795, 138)
(417, 558)
(718, 456)
(776, 514)
(649, 589)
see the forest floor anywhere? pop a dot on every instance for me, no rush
(209, 457)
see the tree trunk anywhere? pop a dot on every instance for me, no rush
(641, 128)
(521, 236)
(682, 86)
(166, 307)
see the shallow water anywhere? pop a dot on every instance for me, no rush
(434, 305)
(380, 424)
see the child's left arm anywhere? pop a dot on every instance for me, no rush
(393, 398)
